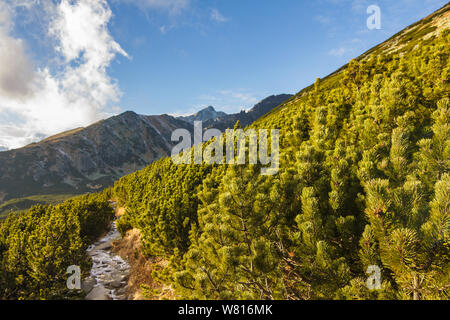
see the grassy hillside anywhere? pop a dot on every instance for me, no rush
(364, 181)
(22, 204)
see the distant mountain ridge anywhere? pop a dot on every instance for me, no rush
(246, 118)
(89, 159)
(222, 121)
(208, 113)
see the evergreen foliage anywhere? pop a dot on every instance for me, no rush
(37, 247)
(363, 181)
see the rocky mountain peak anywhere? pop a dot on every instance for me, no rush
(205, 114)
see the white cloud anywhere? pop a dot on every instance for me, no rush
(322, 19)
(172, 6)
(229, 101)
(170, 10)
(360, 6)
(217, 16)
(242, 97)
(16, 73)
(164, 28)
(339, 52)
(35, 103)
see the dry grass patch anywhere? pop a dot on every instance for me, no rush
(129, 248)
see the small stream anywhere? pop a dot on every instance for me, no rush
(109, 274)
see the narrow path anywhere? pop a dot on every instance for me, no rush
(109, 274)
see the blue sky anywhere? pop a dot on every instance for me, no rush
(75, 62)
(259, 48)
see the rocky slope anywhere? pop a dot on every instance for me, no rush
(246, 118)
(206, 114)
(87, 159)
(222, 121)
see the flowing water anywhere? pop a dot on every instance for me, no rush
(109, 274)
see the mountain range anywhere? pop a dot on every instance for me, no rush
(206, 114)
(89, 159)
(222, 121)
(246, 118)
